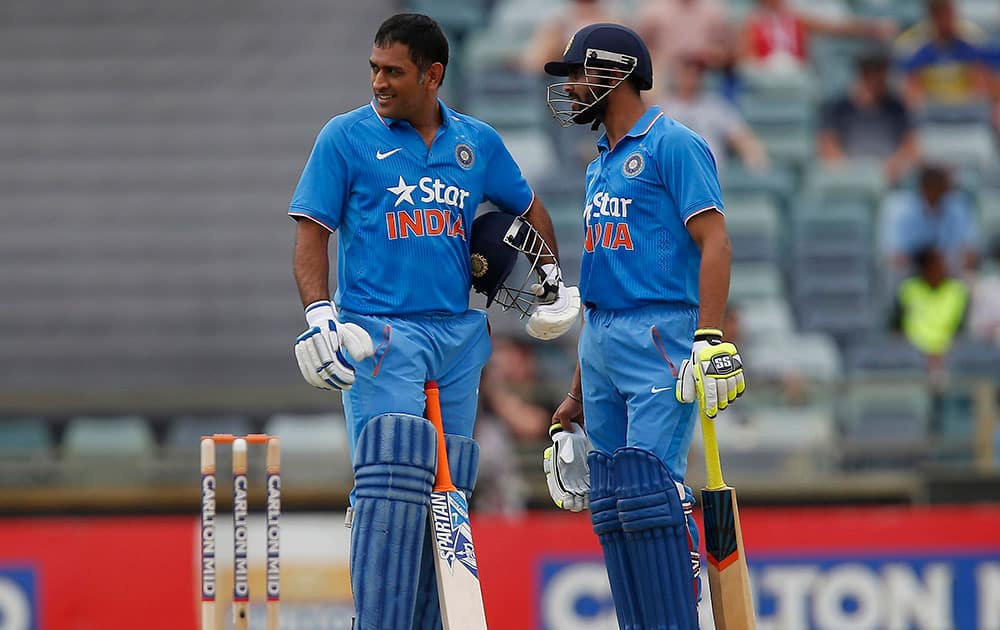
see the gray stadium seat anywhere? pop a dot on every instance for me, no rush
(314, 448)
(882, 355)
(885, 425)
(126, 436)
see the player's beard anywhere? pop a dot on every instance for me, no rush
(596, 110)
(594, 113)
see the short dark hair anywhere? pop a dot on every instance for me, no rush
(934, 174)
(924, 256)
(420, 33)
(872, 60)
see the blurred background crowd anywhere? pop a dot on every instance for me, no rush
(149, 151)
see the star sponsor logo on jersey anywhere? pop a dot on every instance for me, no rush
(609, 230)
(403, 192)
(465, 156)
(633, 165)
(434, 191)
(439, 212)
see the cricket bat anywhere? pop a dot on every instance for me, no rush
(728, 577)
(459, 591)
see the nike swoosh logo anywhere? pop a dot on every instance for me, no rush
(381, 156)
(657, 390)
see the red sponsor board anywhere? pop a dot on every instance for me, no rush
(539, 572)
(103, 573)
(513, 553)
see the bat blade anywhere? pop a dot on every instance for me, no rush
(728, 576)
(459, 590)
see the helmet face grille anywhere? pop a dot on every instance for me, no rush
(503, 247)
(603, 71)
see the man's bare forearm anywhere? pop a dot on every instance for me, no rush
(312, 262)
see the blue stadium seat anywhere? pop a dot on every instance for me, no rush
(25, 437)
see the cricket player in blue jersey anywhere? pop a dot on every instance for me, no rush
(654, 282)
(399, 180)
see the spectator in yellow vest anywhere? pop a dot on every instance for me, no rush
(930, 307)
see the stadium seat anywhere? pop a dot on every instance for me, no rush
(778, 182)
(970, 358)
(750, 281)
(885, 425)
(969, 146)
(314, 447)
(123, 436)
(989, 215)
(765, 316)
(885, 356)
(25, 437)
(817, 356)
(184, 433)
(859, 180)
(457, 17)
(754, 229)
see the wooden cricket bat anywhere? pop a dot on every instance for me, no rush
(459, 591)
(728, 577)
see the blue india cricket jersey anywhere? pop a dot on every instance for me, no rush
(637, 250)
(403, 211)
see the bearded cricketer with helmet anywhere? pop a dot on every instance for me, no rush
(654, 282)
(399, 179)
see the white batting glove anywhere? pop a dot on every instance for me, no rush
(567, 473)
(319, 350)
(713, 374)
(560, 305)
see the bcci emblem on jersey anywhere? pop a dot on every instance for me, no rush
(464, 156)
(633, 165)
(479, 265)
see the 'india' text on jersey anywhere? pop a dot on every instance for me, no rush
(640, 195)
(402, 210)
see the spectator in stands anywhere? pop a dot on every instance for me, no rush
(500, 484)
(933, 215)
(943, 60)
(984, 311)
(930, 307)
(776, 35)
(676, 30)
(552, 36)
(711, 116)
(869, 121)
(548, 42)
(512, 390)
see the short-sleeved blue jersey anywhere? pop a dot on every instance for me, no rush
(403, 211)
(640, 195)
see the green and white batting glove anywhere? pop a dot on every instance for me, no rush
(566, 470)
(713, 374)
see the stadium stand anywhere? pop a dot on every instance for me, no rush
(148, 154)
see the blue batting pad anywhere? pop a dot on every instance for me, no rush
(394, 466)
(604, 517)
(463, 461)
(656, 540)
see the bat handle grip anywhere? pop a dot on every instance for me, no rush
(442, 482)
(713, 466)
